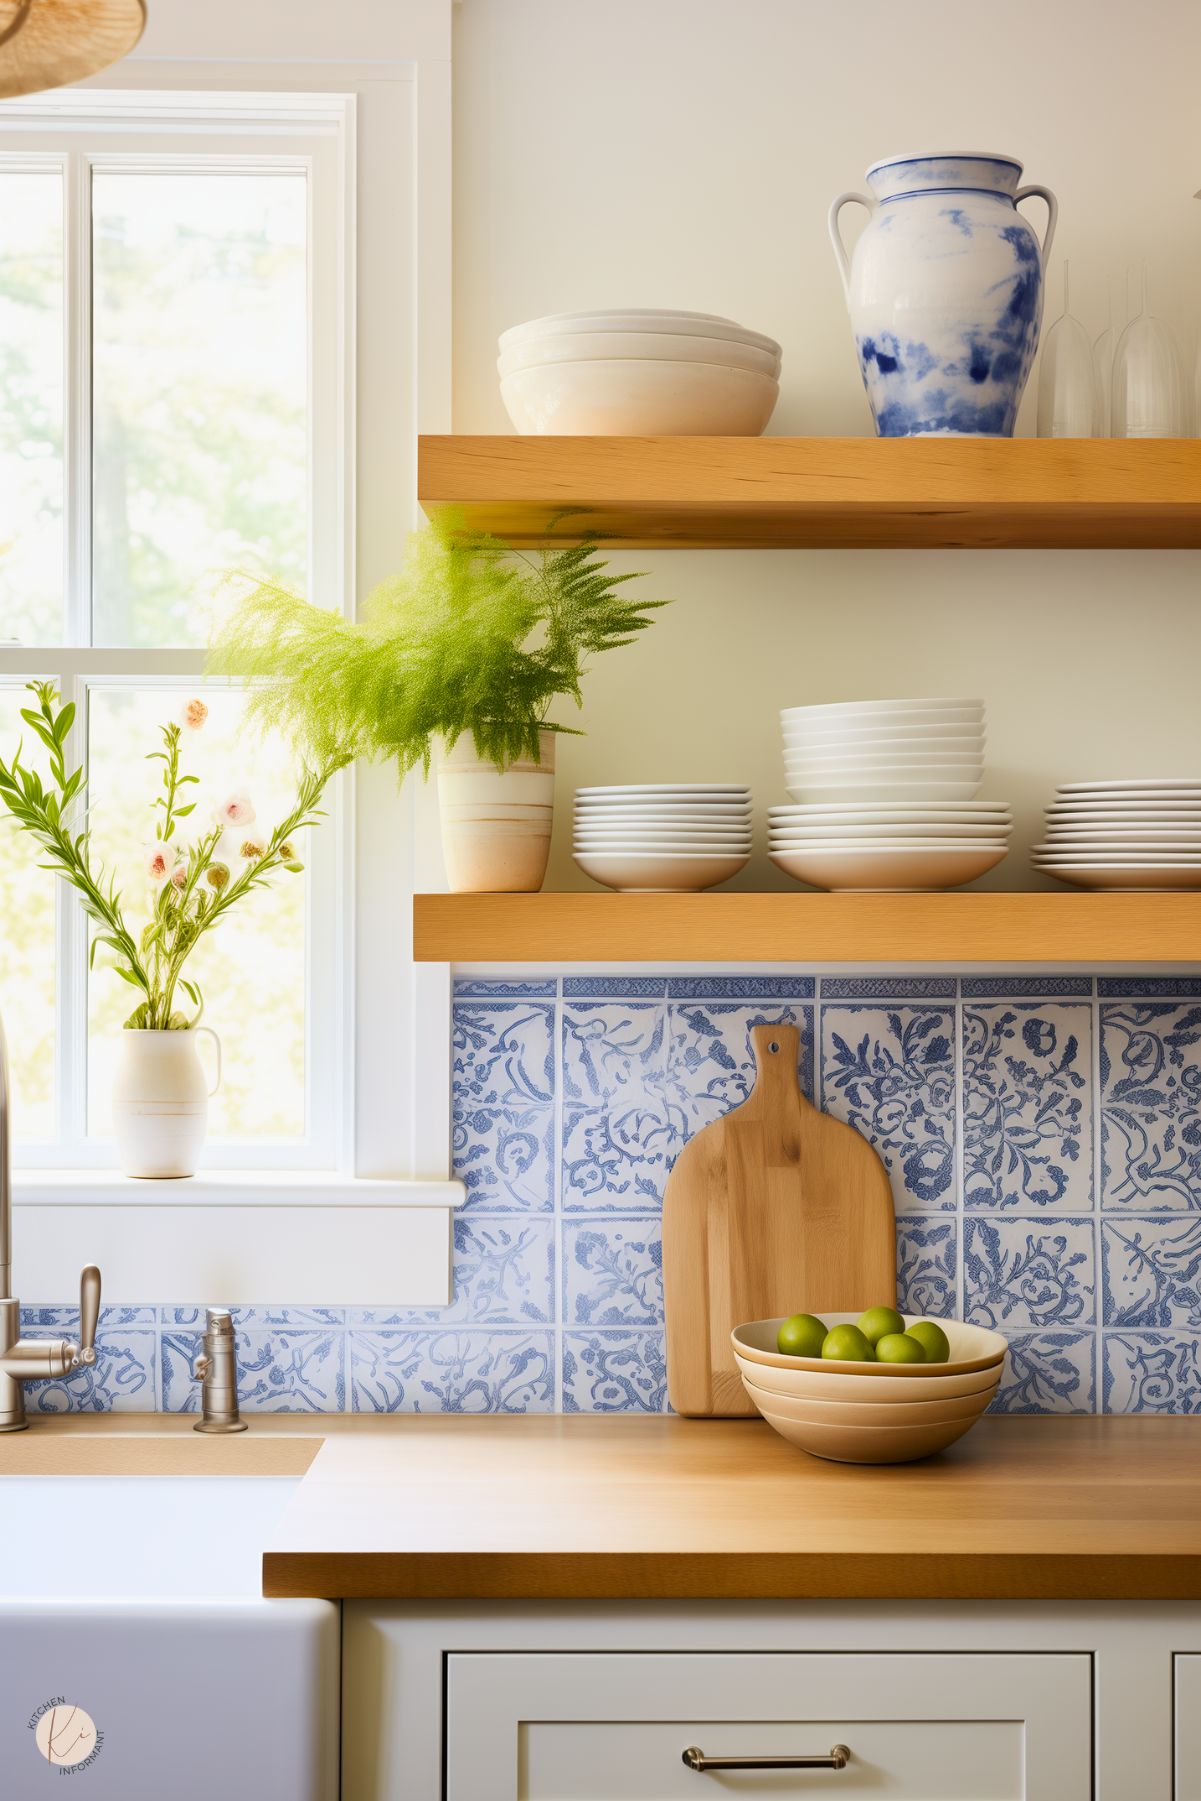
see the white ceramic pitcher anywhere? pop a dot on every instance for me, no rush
(945, 292)
(161, 1101)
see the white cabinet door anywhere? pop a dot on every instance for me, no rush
(1188, 1728)
(614, 1726)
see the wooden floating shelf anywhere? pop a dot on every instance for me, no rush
(807, 928)
(826, 493)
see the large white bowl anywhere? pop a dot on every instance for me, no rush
(876, 725)
(868, 1444)
(867, 869)
(651, 846)
(826, 1384)
(916, 792)
(951, 705)
(656, 347)
(640, 319)
(899, 775)
(939, 768)
(904, 743)
(617, 398)
(896, 1411)
(972, 1348)
(661, 873)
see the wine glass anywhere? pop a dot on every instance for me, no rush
(1103, 349)
(1148, 392)
(1068, 402)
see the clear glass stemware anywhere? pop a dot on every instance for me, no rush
(1068, 402)
(1148, 392)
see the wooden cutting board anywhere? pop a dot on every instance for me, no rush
(774, 1209)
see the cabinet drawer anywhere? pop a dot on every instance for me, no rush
(614, 1726)
(1188, 1728)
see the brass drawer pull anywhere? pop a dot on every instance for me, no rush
(839, 1758)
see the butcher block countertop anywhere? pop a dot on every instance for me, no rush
(635, 1508)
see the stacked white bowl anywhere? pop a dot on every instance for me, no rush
(870, 1412)
(884, 795)
(1124, 835)
(639, 372)
(663, 837)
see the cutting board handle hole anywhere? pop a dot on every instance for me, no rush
(774, 1048)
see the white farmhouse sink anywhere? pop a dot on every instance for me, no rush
(134, 1641)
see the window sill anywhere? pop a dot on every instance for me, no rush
(236, 1237)
(229, 1188)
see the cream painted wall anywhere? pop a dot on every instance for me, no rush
(684, 152)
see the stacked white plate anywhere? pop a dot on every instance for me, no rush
(1131, 834)
(884, 796)
(638, 372)
(662, 837)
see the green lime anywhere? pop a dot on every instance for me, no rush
(878, 1322)
(801, 1336)
(899, 1347)
(933, 1340)
(846, 1344)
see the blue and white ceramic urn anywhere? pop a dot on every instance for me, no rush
(945, 291)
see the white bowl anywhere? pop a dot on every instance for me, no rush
(638, 319)
(661, 873)
(868, 1444)
(944, 767)
(1127, 877)
(972, 1348)
(864, 743)
(953, 705)
(720, 791)
(647, 843)
(619, 398)
(983, 812)
(918, 793)
(655, 347)
(864, 832)
(825, 1384)
(907, 775)
(896, 1411)
(866, 868)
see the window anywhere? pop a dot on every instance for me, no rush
(173, 405)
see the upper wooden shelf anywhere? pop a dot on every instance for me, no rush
(822, 493)
(807, 928)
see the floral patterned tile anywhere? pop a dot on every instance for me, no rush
(1152, 1272)
(710, 1060)
(1027, 1132)
(890, 1073)
(1028, 1274)
(613, 1272)
(451, 1372)
(123, 1379)
(1048, 1372)
(615, 1052)
(503, 1275)
(257, 1316)
(927, 1249)
(1150, 1372)
(614, 1372)
(502, 1053)
(280, 1370)
(505, 1158)
(617, 1160)
(47, 1319)
(1151, 1106)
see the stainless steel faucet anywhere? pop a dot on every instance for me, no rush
(32, 1359)
(217, 1372)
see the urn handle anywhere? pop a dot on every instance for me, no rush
(1036, 187)
(840, 249)
(217, 1046)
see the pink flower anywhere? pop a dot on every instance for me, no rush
(217, 875)
(235, 810)
(179, 876)
(193, 714)
(160, 861)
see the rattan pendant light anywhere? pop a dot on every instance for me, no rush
(45, 43)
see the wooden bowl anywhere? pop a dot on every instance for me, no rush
(827, 1385)
(972, 1348)
(871, 1413)
(869, 1444)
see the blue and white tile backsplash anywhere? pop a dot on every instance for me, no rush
(1043, 1135)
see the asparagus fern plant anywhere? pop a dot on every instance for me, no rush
(472, 636)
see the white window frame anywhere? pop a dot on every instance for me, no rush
(386, 65)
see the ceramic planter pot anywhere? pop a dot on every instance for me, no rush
(496, 823)
(161, 1101)
(945, 293)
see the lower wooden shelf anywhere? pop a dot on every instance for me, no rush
(807, 928)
